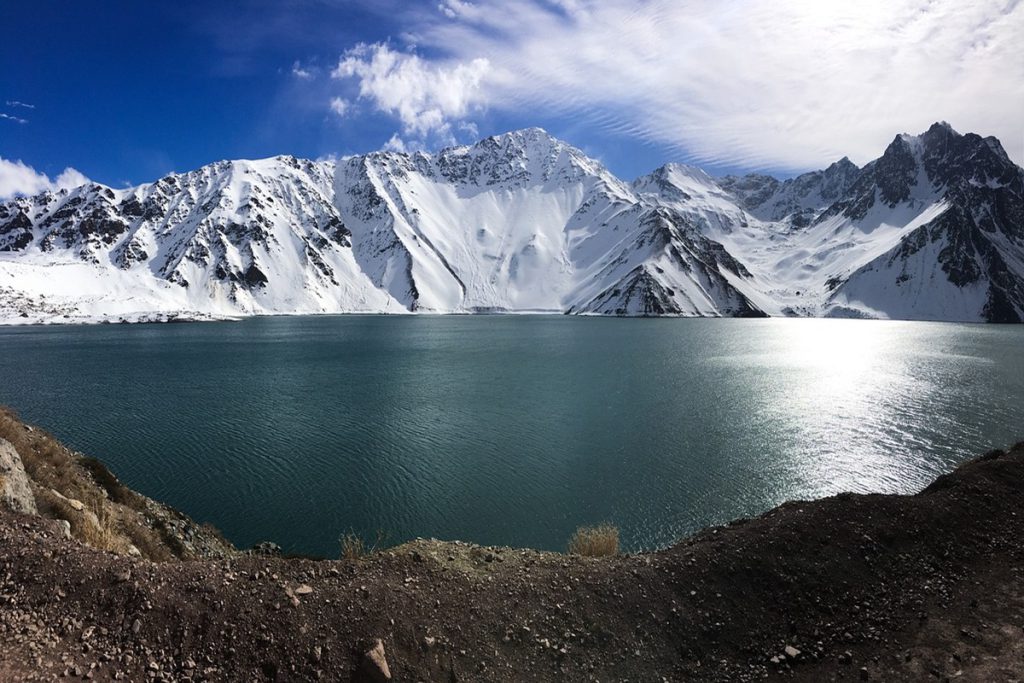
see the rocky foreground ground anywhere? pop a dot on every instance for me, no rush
(854, 587)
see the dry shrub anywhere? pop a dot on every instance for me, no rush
(93, 525)
(353, 547)
(98, 530)
(54, 507)
(148, 543)
(118, 492)
(595, 541)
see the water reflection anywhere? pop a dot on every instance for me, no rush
(515, 430)
(860, 401)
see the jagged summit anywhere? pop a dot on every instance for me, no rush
(523, 221)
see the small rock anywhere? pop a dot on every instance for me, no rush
(864, 675)
(374, 666)
(266, 548)
(429, 642)
(136, 625)
(304, 589)
(791, 652)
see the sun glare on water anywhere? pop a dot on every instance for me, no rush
(845, 384)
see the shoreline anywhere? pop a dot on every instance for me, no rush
(179, 317)
(851, 587)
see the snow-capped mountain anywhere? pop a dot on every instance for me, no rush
(524, 222)
(933, 229)
(961, 253)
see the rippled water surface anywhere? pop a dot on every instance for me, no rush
(514, 430)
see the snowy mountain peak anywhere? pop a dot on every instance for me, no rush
(798, 200)
(842, 167)
(524, 137)
(675, 182)
(933, 228)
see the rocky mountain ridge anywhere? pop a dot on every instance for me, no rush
(522, 222)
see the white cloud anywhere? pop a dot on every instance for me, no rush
(764, 83)
(339, 106)
(427, 97)
(300, 72)
(16, 103)
(9, 117)
(17, 178)
(396, 144)
(70, 177)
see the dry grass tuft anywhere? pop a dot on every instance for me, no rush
(353, 547)
(113, 518)
(595, 541)
(93, 525)
(46, 462)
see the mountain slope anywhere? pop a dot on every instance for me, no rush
(933, 229)
(966, 262)
(237, 237)
(522, 222)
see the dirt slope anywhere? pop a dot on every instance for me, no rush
(887, 588)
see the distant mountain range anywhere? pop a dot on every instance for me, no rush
(521, 222)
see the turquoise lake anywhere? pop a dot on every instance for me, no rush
(514, 430)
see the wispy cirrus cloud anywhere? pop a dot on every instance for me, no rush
(15, 105)
(18, 178)
(787, 84)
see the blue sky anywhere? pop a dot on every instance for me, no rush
(125, 92)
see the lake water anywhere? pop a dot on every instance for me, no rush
(514, 430)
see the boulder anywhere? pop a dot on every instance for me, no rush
(15, 487)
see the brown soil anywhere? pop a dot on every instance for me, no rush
(876, 587)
